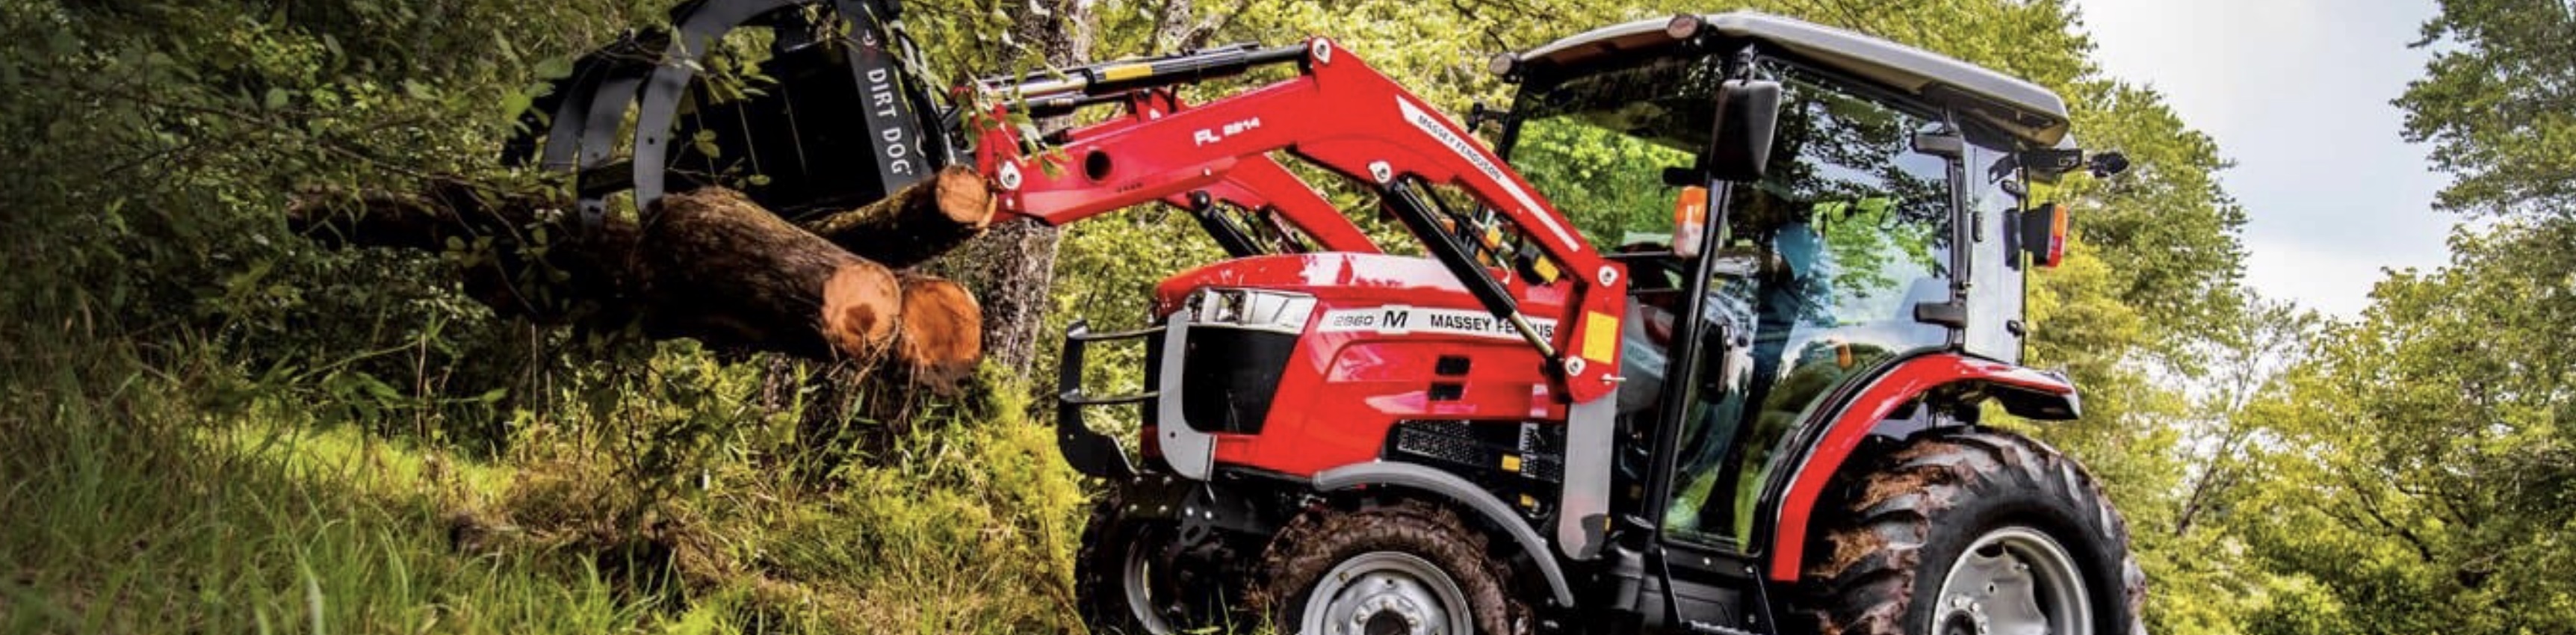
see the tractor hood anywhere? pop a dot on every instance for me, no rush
(2018, 107)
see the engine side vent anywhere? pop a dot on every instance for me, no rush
(1503, 448)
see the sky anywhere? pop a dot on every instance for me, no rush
(2296, 93)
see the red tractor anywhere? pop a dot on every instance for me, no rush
(1701, 343)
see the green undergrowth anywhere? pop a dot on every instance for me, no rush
(126, 511)
(137, 501)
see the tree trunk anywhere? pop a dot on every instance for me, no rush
(712, 265)
(1012, 267)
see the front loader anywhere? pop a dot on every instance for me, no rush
(1702, 342)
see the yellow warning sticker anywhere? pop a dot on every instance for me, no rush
(1545, 268)
(1126, 71)
(1600, 336)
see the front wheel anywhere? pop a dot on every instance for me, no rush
(1130, 578)
(1406, 568)
(1973, 532)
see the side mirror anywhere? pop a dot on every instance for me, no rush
(1747, 112)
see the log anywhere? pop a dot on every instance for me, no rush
(710, 265)
(717, 267)
(943, 334)
(916, 223)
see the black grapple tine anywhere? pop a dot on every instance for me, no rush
(878, 55)
(700, 26)
(613, 92)
(879, 131)
(559, 112)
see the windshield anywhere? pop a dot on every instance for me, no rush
(1598, 145)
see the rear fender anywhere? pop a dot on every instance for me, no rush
(2022, 391)
(1459, 493)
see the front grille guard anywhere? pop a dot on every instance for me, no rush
(1088, 451)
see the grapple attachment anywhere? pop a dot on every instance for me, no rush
(845, 120)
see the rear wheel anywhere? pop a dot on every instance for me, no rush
(1973, 532)
(1407, 568)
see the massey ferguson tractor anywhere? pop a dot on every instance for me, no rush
(1698, 335)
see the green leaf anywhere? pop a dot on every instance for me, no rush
(705, 142)
(554, 68)
(515, 104)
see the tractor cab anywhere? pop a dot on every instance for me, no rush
(1799, 208)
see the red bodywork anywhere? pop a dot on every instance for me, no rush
(1256, 183)
(1344, 388)
(1890, 391)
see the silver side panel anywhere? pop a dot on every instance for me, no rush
(1191, 453)
(1583, 513)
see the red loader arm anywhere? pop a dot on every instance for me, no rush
(1340, 115)
(1260, 184)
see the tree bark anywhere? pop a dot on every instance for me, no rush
(1176, 30)
(711, 265)
(715, 266)
(915, 223)
(1012, 267)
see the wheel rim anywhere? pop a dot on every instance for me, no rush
(2013, 581)
(1386, 593)
(1136, 578)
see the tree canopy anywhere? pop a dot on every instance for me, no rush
(2409, 470)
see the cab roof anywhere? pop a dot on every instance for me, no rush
(2020, 108)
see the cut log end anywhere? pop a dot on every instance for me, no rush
(965, 198)
(943, 332)
(862, 305)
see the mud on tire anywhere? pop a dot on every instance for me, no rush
(1895, 532)
(1317, 542)
(1116, 597)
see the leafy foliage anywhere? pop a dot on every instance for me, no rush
(180, 369)
(2495, 106)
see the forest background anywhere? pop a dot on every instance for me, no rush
(212, 424)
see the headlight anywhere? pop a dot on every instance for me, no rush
(1251, 309)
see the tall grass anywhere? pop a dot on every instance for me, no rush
(128, 510)
(137, 499)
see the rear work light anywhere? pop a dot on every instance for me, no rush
(2042, 234)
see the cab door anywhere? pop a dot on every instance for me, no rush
(1817, 275)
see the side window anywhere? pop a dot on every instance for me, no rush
(1997, 289)
(1854, 228)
